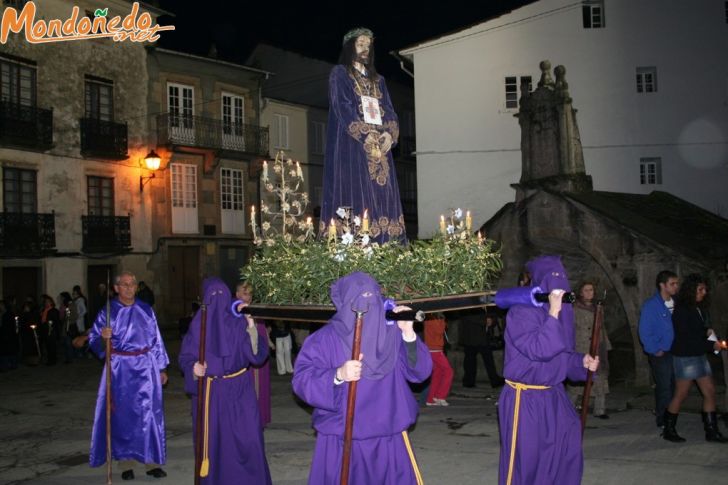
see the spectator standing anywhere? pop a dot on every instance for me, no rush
(261, 373)
(475, 341)
(442, 373)
(656, 334)
(281, 335)
(584, 311)
(9, 335)
(50, 328)
(693, 339)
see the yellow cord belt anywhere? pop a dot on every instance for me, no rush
(411, 454)
(518, 387)
(205, 466)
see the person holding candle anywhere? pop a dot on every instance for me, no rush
(693, 339)
(540, 431)
(359, 169)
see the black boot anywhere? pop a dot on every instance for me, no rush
(669, 432)
(710, 423)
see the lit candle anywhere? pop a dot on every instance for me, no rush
(365, 221)
(299, 172)
(265, 171)
(468, 221)
(252, 217)
(480, 238)
(332, 229)
(309, 222)
(443, 229)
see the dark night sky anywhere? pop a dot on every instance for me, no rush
(315, 28)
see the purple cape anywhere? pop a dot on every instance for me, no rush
(236, 449)
(385, 407)
(137, 417)
(540, 351)
(355, 175)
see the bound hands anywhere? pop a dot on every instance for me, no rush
(555, 302)
(591, 363)
(251, 322)
(350, 371)
(406, 326)
(385, 142)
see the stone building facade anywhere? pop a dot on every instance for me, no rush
(620, 241)
(73, 130)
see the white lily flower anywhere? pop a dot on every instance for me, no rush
(458, 213)
(357, 221)
(341, 212)
(347, 238)
(365, 240)
(450, 229)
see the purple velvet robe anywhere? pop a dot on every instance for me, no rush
(356, 175)
(385, 406)
(236, 448)
(137, 417)
(540, 351)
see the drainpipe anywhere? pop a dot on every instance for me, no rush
(401, 60)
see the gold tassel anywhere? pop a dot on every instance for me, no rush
(205, 468)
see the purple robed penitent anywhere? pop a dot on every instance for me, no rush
(540, 351)
(235, 436)
(356, 174)
(137, 413)
(385, 406)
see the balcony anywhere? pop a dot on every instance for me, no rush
(106, 234)
(103, 139)
(27, 234)
(204, 132)
(25, 126)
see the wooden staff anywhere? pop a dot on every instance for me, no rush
(594, 351)
(351, 400)
(108, 383)
(199, 431)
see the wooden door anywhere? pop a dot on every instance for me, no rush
(184, 279)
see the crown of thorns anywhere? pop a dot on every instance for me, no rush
(354, 33)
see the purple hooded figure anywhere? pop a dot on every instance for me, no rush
(233, 435)
(385, 407)
(540, 432)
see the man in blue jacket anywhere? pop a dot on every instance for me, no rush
(656, 334)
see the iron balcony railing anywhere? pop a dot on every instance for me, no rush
(106, 233)
(26, 126)
(27, 234)
(204, 132)
(104, 139)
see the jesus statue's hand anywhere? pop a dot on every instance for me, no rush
(385, 142)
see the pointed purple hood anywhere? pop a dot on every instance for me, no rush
(378, 342)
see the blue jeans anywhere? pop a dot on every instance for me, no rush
(664, 376)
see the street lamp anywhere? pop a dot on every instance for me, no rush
(151, 162)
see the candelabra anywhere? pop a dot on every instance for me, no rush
(282, 205)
